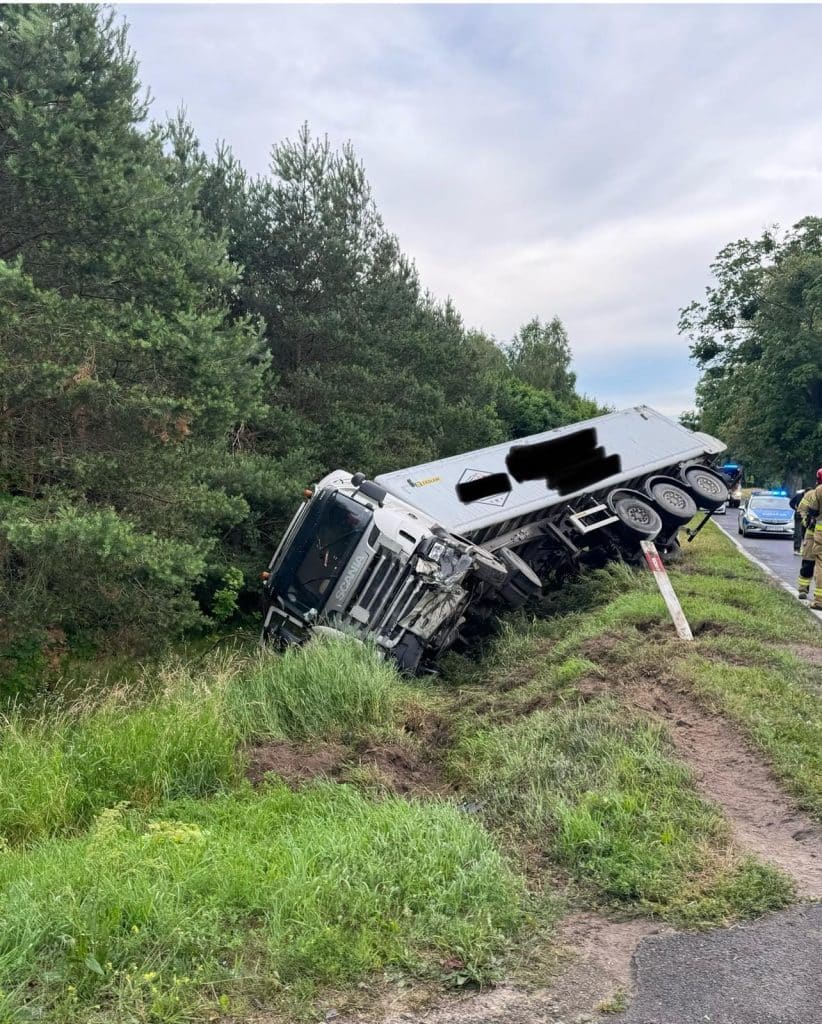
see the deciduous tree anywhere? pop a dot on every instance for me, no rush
(757, 338)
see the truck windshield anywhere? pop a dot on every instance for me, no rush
(319, 552)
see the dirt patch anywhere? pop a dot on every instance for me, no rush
(595, 964)
(295, 763)
(599, 647)
(709, 629)
(516, 678)
(729, 657)
(432, 729)
(392, 767)
(763, 818)
(806, 652)
(400, 769)
(650, 628)
(601, 952)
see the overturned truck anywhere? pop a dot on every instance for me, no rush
(415, 559)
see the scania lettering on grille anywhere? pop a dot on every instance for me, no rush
(347, 581)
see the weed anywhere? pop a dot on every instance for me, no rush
(616, 1004)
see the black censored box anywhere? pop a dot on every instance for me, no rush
(566, 463)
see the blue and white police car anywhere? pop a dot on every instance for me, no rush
(766, 512)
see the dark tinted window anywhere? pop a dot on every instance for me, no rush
(320, 551)
(758, 501)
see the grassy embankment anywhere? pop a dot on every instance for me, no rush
(142, 878)
(573, 766)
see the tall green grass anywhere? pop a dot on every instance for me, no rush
(328, 689)
(270, 894)
(58, 770)
(177, 733)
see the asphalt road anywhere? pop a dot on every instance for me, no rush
(766, 972)
(775, 552)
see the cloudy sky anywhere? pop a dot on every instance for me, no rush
(583, 161)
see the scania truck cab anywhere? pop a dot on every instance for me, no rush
(414, 561)
(357, 559)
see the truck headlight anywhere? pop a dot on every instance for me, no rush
(437, 551)
(450, 561)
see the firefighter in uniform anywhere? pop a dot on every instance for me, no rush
(810, 511)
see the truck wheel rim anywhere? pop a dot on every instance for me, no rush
(707, 484)
(673, 497)
(638, 514)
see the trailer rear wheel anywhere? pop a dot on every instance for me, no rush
(674, 502)
(637, 517)
(708, 488)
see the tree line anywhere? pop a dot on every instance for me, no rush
(183, 347)
(757, 340)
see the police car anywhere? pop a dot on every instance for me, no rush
(766, 512)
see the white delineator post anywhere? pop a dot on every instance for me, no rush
(666, 589)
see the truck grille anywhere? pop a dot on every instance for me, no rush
(385, 594)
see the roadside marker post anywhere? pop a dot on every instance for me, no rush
(656, 566)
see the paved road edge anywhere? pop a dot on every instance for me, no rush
(769, 572)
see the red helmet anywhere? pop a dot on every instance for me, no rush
(819, 475)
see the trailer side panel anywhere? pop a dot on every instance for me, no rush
(645, 440)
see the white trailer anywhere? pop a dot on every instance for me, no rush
(417, 556)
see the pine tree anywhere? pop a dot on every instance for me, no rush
(122, 378)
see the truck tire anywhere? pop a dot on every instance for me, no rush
(707, 488)
(638, 519)
(522, 583)
(672, 501)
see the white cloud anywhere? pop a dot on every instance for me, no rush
(583, 161)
